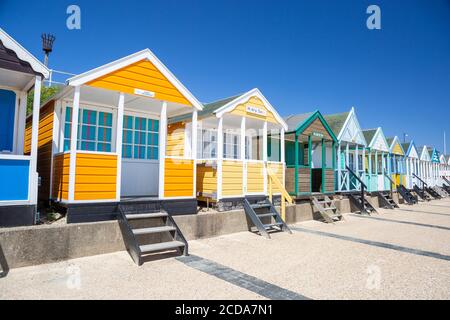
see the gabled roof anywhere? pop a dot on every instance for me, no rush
(344, 125)
(392, 141)
(145, 54)
(220, 107)
(337, 121)
(425, 154)
(299, 122)
(371, 136)
(408, 147)
(23, 54)
(435, 155)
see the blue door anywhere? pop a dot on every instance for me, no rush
(7, 110)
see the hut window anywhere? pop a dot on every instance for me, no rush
(140, 138)
(94, 130)
(231, 145)
(207, 143)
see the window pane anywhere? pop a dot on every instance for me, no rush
(139, 152)
(140, 124)
(88, 132)
(104, 147)
(66, 144)
(68, 114)
(105, 119)
(67, 132)
(139, 137)
(127, 151)
(104, 134)
(128, 122)
(128, 136)
(89, 117)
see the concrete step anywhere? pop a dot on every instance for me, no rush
(146, 215)
(153, 230)
(147, 248)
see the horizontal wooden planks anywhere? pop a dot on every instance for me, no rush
(178, 168)
(232, 172)
(255, 177)
(141, 75)
(60, 183)
(175, 139)
(206, 179)
(318, 127)
(241, 110)
(304, 180)
(95, 176)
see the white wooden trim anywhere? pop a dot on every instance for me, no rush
(219, 157)
(282, 155)
(34, 140)
(16, 124)
(128, 60)
(254, 92)
(73, 143)
(119, 131)
(162, 148)
(347, 155)
(265, 156)
(10, 156)
(55, 139)
(23, 54)
(21, 122)
(194, 149)
(244, 165)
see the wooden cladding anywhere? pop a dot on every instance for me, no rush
(304, 180)
(175, 139)
(142, 75)
(232, 178)
(178, 178)
(60, 181)
(95, 176)
(329, 181)
(206, 179)
(317, 127)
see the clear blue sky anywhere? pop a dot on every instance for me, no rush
(303, 55)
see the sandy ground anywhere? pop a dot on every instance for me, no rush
(396, 254)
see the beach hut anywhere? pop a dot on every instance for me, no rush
(20, 72)
(412, 164)
(310, 155)
(124, 151)
(350, 149)
(435, 163)
(240, 150)
(425, 165)
(396, 161)
(377, 159)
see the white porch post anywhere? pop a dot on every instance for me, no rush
(282, 155)
(339, 178)
(244, 166)
(356, 160)
(219, 157)
(265, 156)
(162, 148)
(119, 137)
(347, 155)
(364, 164)
(73, 143)
(33, 184)
(194, 149)
(21, 123)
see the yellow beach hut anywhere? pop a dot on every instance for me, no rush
(239, 150)
(124, 149)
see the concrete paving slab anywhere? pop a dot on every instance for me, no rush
(358, 258)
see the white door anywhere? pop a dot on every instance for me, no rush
(140, 165)
(139, 177)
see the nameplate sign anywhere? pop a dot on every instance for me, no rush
(317, 134)
(145, 93)
(256, 110)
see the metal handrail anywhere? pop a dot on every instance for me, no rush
(446, 180)
(363, 185)
(424, 184)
